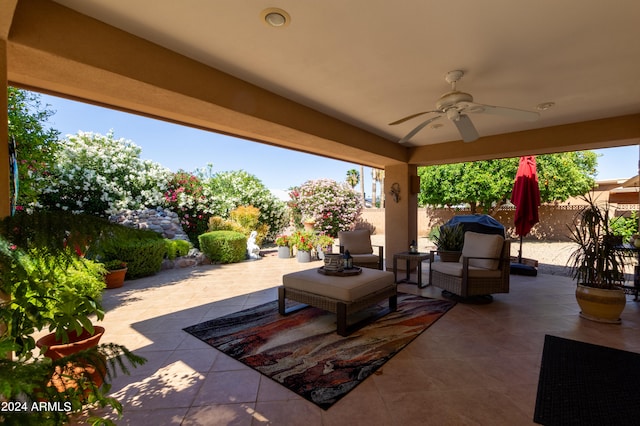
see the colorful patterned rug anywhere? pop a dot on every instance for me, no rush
(303, 352)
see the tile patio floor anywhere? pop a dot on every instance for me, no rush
(478, 365)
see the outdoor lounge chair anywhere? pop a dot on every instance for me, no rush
(358, 243)
(483, 268)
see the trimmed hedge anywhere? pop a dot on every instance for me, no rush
(224, 246)
(177, 248)
(142, 249)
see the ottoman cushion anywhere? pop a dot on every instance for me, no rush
(347, 289)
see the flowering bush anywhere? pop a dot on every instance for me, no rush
(200, 196)
(98, 174)
(282, 241)
(185, 195)
(334, 206)
(303, 240)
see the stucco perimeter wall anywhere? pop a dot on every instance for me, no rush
(552, 226)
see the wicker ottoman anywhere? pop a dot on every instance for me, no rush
(338, 294)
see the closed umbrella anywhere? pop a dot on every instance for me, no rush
(526, 197)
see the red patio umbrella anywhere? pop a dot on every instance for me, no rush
(526, 197)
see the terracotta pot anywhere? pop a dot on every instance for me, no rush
(115, 279)
(601, 305)
(64, 377)
(57, 349)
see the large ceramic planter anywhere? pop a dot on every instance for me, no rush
(284, 252)
(599, 304)
(115, 278)
(303, 256)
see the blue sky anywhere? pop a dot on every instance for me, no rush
(179, 147)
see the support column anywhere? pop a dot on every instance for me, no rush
(401, 187)
(5, 194)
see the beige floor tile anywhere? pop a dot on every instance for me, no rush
(477, 365)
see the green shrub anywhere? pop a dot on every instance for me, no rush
(143, 250)
(177, 248)
(217, 223)
(224, 246)
(625, 227)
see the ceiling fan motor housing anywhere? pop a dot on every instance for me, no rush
(450, 99)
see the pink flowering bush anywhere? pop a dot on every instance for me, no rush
(334, 206)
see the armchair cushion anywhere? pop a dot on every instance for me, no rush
(455, 269)
(482, 245)
(357, 242)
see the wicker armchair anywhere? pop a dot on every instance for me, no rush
(358, 243)
(483, 268)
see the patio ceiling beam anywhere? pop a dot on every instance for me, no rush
(595, 134)
(53, 49)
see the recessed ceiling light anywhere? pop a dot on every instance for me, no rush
(545, 106)
(274, 17)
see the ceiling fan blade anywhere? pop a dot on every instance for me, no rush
(466, 128)
(518, 114)
(418, 128)
(409, 117)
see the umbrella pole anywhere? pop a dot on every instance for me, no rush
(520, 251)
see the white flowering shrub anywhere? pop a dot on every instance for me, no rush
(98, 174)
(333, 206)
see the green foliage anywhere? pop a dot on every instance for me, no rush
(625, 227)
(232, 189)
(198, 197)
(353, 177)
(143, 250)
(486, 185)
(595, 262)
(26, 382)
(450, 238)
(303, 240)
(36, 146)
(177, 248)
(48, 285)
(224, 246)
(248, 220)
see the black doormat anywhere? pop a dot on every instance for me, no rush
(585, 384)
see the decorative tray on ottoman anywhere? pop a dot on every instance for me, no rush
(344, 273)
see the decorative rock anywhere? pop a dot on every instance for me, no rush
(164, 222)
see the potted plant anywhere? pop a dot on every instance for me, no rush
(284, 250)
(449, 242)
(116, 272)
(44, 283)
(303, 241)
(597, 264)
(324, 244)
(309, 223)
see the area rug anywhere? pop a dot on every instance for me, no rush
(303, 352)
(585, 384)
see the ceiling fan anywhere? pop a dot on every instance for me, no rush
(455, 105)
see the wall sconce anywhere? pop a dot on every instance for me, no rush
(395, 192)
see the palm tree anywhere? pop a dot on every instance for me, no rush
(353, 177)
(377, 175)
(362, 184)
